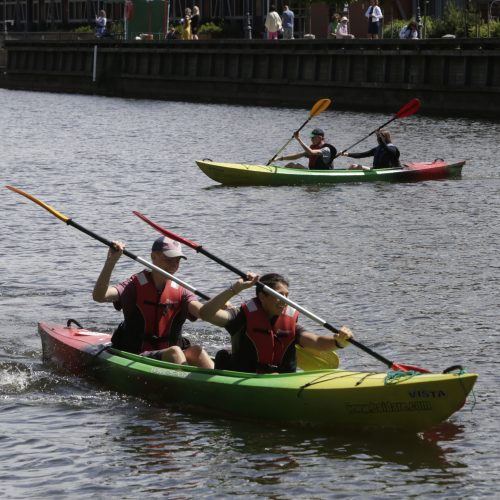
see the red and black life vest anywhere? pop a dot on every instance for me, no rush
(157, 309)
(317, 162)
(271, 341)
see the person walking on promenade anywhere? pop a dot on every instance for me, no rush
(273, 23)
(287, 23)
(374, 15)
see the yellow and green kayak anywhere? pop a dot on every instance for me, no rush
(234, 174)
(332, 399)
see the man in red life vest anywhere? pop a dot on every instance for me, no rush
(154, 307)
(320, 154)
(264, 330)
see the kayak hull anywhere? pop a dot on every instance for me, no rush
(331, 399)
(233, 174)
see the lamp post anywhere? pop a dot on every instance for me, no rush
(418, 18)
(490, 6)
(248, 27)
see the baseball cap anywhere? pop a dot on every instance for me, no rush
(318, 131)
(168, 247)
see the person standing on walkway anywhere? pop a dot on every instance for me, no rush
(374, 15)
(332, 26)
(195, 22)
(186, 25)
(287, 21)
(273, 23)
(101, 22)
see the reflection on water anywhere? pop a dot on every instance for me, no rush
(412, 268)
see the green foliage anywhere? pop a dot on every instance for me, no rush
(210, 28)
(117, 27)
(84, 29)
(392, 29)
(494, 30)
(452, 23)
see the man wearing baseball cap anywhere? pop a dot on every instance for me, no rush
(320, 154)
(154, 307)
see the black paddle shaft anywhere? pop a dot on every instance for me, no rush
(110, 244)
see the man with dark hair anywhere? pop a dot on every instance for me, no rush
(264, 330)
(320, 153)
(288, 21)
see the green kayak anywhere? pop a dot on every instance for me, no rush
(333, 399)
(234, 174)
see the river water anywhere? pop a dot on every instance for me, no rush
(412, 268)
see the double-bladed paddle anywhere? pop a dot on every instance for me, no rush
(306, 359)
(274, 293)
(110, 244)
(408, 109)
(316, 110)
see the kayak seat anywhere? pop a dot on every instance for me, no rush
(223, 360)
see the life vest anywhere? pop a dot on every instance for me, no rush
(157, 310)
(271, 341)
(317, 162)
(386, 156)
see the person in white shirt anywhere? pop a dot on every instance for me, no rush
(273, 23)
(343, 29)
(374, 15)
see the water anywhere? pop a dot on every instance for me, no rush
(412, 268)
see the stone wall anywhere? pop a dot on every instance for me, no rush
(451, 77)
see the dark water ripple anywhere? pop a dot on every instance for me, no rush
(412, 268)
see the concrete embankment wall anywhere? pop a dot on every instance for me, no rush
(451, 77)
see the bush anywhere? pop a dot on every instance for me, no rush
(210, 28)
(391, 30)
(84, 29)
(483, 30)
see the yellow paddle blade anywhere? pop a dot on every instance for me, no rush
(53, 211)
(319, 107)
(309, 359)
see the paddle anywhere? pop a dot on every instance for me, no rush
(307, 360)
(71, 222)
(316, 110)
(407, 110)
(274, 293)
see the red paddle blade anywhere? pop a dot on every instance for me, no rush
(166, 232)
(409, 109)
(408, 368)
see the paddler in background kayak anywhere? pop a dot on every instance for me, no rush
(154, 307)
(264, 330)
(385, 155)
(320, 153)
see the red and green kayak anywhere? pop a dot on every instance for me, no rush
(333, 399)
(234, 174)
